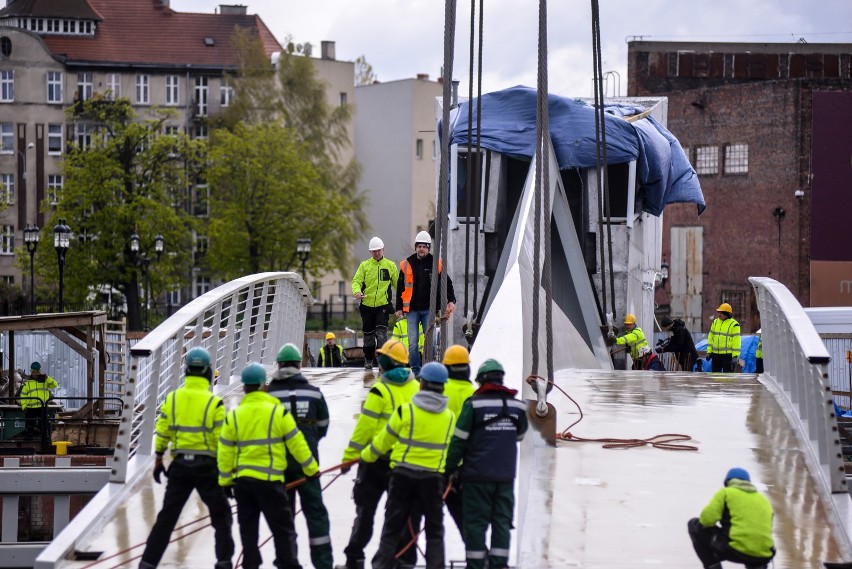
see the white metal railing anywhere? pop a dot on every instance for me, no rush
(241, 321)
(796, 359)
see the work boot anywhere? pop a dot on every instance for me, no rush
(224, 565)
(368, 364)
(146, 565)
(714, 566)
(351, 564)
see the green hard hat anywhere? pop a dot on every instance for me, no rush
(289, 353)
(36, 366)
(198, 360)
(254, 374)
(490, 371)
(489, 365)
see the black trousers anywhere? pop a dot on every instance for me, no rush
(35, 419)
(711, 546)
(409, 495)
(370, 484)
(199, 474)
(269, 498)
(722, 363)
(374, 324)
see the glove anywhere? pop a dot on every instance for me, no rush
(345, 469)
(314, 476)
(228, 491)
(611, 335)
(610, 339)
(159, 469)
(659, 350)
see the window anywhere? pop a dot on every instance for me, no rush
(7, 188)
(54, 86)
(418, 149)
(201, 244)
(7, 138)
(142, 96)
(84, 86)
(171, 130)
(343, 98)
(201, 96)
(9, 279)
(7, 85)
(173, 297)
(201, 201)
(7, 240)
(172, 91)
(6, 46)
(226, 95)
(707, 159)
(736, 159)
(737, 300)
(202, 285)
(54, 139)
(201, 131)
(54, 188)
(83, 135)
(113, 81)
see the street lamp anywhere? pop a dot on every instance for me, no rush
(143, 261)
(61, 242)
(303, 251)
(31, 235)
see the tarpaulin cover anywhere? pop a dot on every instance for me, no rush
(508, 126)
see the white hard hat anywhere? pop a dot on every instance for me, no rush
(376, 244)
(644, 351)
(423, 237)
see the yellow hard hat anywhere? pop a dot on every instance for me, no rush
(395, 350)
(456, 355)
(330, 336)
(725, 307)
(629, 319)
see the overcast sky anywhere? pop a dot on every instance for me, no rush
(401, 38)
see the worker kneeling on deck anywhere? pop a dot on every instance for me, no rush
(485, 447)
(395, 387)
(735, 526)
(252, 457)
(307, 405)
(190, 420)
(417, 436)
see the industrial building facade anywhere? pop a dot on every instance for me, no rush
(763, 125)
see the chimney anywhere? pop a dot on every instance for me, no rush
(423, 76)
(327, 49)
(232, 9)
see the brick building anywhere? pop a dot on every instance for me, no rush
(766, 129)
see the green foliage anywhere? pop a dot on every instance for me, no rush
(130, 179)
(292, 99)
(364, 74)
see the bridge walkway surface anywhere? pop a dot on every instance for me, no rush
(582, 505)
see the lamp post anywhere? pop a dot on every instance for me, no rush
(31, 235)
(144, 261)
(61, 242)
(303, 251)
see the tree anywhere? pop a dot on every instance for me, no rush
(364, 74)
(129, 179)
(290, 96)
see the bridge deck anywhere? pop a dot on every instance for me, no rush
(595, 508)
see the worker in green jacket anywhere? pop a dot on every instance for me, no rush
(735, 526)
(34, 396)
(189, 421)
(723, 341)
(633, 339)
(416, 436)
(252, 458)
(372, 285)
(395, 387)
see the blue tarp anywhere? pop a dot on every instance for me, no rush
(508, 126)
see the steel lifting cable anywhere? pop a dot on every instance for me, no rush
(478, 219)
(293, 484)
(596, 38)
(545, 183)
(599, 186)
(443, 177)
(470, 160)
(665, 441)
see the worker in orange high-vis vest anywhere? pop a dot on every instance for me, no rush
(412, 294)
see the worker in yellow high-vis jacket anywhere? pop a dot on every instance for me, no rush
(723, 341)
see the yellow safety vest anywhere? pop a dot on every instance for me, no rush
(419, 439)
(724, 337)
(35, 394)
(400, 332)
(255, 439)
(190, 419)
(382, 400)
(634, 339)
(458, 391)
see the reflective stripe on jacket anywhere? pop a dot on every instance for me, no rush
(255, 439)
(406, 291)
(330, 356)
(724, 337)
(35, 394)
(400, 332)
(382, 400)
(634, 340)
(306, 404)
(374, 279)
(190, 419)
(417, 439)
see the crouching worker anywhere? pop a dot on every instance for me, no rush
(735, 526)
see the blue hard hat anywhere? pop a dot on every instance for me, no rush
(739, 473)
(198, 359)
(433, 372)
(254, 374)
